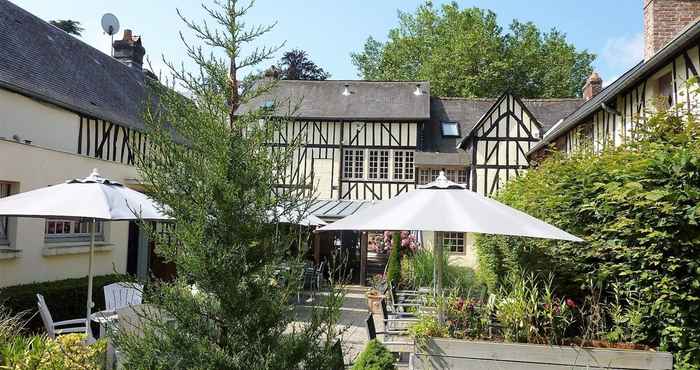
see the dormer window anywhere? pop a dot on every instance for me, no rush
(267, 104)
(449, 129)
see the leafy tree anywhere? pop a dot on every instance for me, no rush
(464, 52)
(69, 26)
(296, 65)
(637, 207)
(228, 307)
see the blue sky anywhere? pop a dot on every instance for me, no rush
(330, 30)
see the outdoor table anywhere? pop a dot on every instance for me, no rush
(104, 318)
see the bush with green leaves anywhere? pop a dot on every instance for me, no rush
(637, 206)
(375, 356)
(40, 352)
(393, 274)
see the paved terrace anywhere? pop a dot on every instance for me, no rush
(352, 319)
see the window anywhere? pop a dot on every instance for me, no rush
(4, 191)
(378, 164)
(462, 176)
(665, 90)
(449, 129)
(403, 165)
(382, 164)
(354, 164)
(423, 176)
(427, 175)
(453, 242)
(57, 228)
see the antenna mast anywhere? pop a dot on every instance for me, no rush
(110, 25)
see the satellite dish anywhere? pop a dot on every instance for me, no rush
(110, 24)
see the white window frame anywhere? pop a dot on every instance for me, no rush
(5, 190)
(405, 168)
(71, 230)
(378, 164)
(452, 242)
(354, 164)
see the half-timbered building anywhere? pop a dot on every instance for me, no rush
(358, 138)
(66, 108)
(672, 57)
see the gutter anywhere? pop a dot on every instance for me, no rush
(625, 81)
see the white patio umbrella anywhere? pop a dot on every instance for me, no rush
(91, 199)
(443, 205)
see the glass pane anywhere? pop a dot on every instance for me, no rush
(450, 129)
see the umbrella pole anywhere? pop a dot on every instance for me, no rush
(438, 271)
(88, 331)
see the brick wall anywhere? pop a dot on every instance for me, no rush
(664, 19)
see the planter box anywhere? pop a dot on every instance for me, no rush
(440, 353)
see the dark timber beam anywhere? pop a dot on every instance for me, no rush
(363, 258)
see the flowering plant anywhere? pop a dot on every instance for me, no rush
(409, 243)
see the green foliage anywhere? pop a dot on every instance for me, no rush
(393, 274)
(231, 303)
(66, 298)
(43, 353)
(375, 357)
(637, 206)
(69, 26)
(420, 267)
(296, 65)
(529, 312)
(428, 326)
(464, 52)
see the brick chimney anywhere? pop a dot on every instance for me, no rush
(664, 19)
(129, 50)
(592, 86)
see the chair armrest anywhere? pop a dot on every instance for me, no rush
(69, 322)
(408, 319)
(70, 330)
(407, 305)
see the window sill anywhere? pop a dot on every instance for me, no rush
(60, 248)
(7, 253)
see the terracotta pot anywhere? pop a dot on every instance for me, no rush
(374, 302)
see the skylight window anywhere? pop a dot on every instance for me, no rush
(449, 129)
(267, 104)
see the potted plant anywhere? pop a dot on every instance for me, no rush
(374, 295)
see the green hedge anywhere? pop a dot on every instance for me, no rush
(66, 298)
(638, 208)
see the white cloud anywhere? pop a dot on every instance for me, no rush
(620, 54)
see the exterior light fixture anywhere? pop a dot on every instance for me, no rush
(346, 90)
(417, 92)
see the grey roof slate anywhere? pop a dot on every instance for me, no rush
(44, 62)
(368, 100)
(468, 111)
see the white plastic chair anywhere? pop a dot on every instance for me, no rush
(59, 327)
(118, 295)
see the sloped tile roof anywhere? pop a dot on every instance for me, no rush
(468, 111)
(44, 62)
(368, 100)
